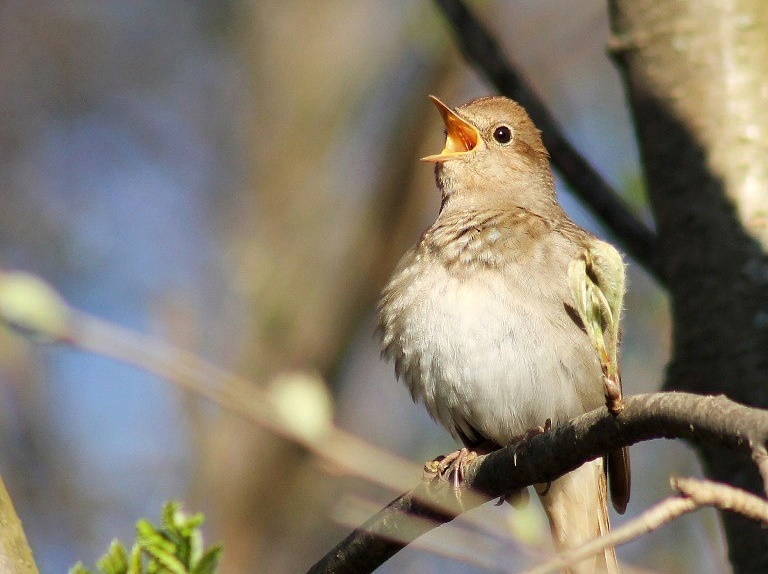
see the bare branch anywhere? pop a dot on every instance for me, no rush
(710, 420)
(650, 520)
(483, 52)
(695, 494)
(722, 497)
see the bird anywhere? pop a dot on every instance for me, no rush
(504, 316)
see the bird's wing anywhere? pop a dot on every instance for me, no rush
(596, 277)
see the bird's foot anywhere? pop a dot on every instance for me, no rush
(535, 431)
(519, 443)
(613, 400)
(451, 467)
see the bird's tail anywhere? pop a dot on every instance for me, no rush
(576, 505)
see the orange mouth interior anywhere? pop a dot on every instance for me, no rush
(461, 136)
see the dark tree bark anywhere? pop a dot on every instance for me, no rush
(696, 74)
(703, 420)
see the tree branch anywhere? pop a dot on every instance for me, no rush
(706, 420)
(483, 52)
(15, 553)
(695, 494)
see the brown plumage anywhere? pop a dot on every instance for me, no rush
(480, 315)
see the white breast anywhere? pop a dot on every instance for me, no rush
(485, 357)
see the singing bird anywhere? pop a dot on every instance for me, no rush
(505, 315)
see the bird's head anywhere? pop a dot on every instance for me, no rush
(493, 153)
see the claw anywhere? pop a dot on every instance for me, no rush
(532, 432)
(451, 467)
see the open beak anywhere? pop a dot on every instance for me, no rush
(462, 136)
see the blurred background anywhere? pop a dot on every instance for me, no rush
(239, 178)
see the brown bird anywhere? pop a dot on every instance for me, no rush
(505, 315)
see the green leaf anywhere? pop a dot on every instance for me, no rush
(115, 561)
(208, 562)
(134, 564)
(79, 569)
(174, 548)
(168, 517)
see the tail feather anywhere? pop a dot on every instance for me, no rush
(576, 505)
(619, 478)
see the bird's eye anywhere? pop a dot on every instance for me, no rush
(502, 134)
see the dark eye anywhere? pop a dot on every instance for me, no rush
(502, 134)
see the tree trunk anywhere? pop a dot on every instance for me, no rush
(696, 73)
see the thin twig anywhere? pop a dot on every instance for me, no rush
(482, 51)
(695, 494)
(722, 497)
(650, 520)
(343, 450)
